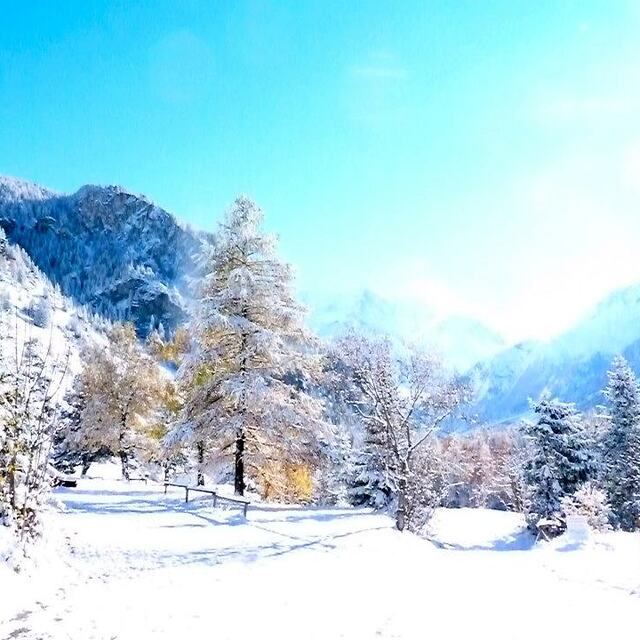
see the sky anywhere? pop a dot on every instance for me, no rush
(480, 157)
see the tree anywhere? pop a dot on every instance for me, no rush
(120, 386)
(39, 310)
(30, 382)
(66, 453)
(561, 459)
(621, 445)
(401, 402)
(246, 380)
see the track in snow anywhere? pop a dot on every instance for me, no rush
(144, 565)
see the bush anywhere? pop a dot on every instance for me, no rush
(590, 502)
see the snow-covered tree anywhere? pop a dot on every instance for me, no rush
(39, 310)
(401, 402)
(120, 386)
(30, 381)
(483, 468)
(621, 446)
(336, 469)
(245, 381)
(561, 460)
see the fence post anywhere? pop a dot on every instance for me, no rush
(186, 495)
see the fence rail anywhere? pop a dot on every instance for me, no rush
(242, 502)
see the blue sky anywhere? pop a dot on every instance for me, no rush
(483, 157)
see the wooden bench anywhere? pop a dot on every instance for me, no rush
(243, 502)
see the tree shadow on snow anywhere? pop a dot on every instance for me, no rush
(305, 517)
(522, 541)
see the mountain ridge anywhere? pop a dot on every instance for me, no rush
(126, 258)
(115, 251)
(572, 365)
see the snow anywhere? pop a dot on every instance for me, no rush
(463, 341)
(17, 190)
(129, 562)
(68, 328)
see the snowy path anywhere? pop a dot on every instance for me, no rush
(144, 565)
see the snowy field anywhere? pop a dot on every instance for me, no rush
(129, 562)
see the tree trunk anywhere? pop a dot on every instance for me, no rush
(86, 463)
(401, 511)
(200, 449)
(124, 460)
(239, 485)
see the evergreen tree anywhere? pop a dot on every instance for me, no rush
(245, 380)
(371, 483)
(561, 459)
(621, 445)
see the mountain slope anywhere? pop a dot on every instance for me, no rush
(461, 340)
(32, 308)
(114, 251)
(572, 366)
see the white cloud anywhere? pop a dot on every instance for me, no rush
(379, 66)
(414, 279)
(375, 90)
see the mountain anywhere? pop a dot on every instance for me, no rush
(462, 341)
(33, 308)
(114, 251)
(116, 254)
(572, 366)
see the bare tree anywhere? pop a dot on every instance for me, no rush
(402, 401)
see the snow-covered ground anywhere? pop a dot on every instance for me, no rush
(131, 563)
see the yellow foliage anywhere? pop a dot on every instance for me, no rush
(171, 351)
(286, 482)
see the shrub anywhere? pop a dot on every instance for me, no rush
(590, 502)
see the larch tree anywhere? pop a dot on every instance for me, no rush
(120, 386)
(621, 446)
(245, 380)
(401, 402)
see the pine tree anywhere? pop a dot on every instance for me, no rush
(371, 483)
(621, 445)
(245, 381)
(561, 459)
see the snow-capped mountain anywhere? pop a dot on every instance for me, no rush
(107, 248)
(123, 257)
(462, 341)
(572, 366)
(33, 308)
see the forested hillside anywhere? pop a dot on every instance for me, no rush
(116, 252)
